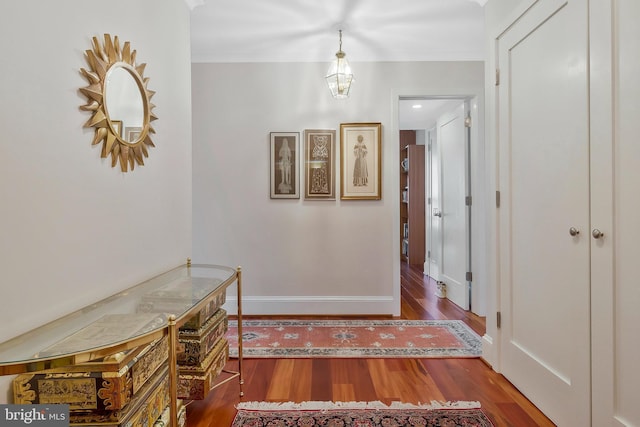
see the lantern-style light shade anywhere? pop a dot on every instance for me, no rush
(339, 76)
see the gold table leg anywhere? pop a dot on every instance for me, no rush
(173, 372)
(241, 380)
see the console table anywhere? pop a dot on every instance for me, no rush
(117, 324)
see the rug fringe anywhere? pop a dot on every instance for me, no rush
(318, 405)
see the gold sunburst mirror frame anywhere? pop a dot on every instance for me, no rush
(120, 101)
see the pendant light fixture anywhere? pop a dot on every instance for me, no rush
(339, 77)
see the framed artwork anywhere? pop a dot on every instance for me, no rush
(132, 133)
(117, 127)
(319, 164)
(360, 161)
(284, 163)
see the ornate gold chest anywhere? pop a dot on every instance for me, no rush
(195, 345)
(106, 384)
(195, 382)
(174, 298)
(144, 409)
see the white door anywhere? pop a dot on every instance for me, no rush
(454, 220)
(434, 236)
(615, 152)
(544, 188)
(477, 210)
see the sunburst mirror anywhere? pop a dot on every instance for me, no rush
(120, 103)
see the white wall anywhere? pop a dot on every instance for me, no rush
(301, 257)
(73, 230)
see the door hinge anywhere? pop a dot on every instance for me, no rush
(497, 76)
(428, 254)
(499, 319)
(428, 200)
(429, 147)
(497, 199)
(467, 200)
(467, 122)
(469, 276)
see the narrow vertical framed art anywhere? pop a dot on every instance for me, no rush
(319, 164)
(284, 165)
(360, 161)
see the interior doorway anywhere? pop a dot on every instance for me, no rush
(453, 159)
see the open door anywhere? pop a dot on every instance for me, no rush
(454, 214)
(434, 236)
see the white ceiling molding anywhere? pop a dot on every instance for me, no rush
(192, 4)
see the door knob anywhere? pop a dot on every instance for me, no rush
(574, 231)
(597, 233)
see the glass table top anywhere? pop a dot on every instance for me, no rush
(128, 315)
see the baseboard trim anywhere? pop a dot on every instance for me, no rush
(320, 305)
(487, 351)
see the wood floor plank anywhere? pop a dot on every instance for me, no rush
(301, 380)
(416, 385)
(385, 388)
(343, 393)
(280, 389)
(339, 373)
(360, 377)
(513, 414)
(321, 384)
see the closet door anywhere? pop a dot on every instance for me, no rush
(544, 234)
(615, 170)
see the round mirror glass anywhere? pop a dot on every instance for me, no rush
(124, 104)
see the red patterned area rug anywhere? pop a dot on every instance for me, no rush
(354, 338)
(360, 414)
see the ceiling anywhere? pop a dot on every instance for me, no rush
(412, 117)
(373, 30)
(307, 30)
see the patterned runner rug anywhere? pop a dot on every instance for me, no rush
(356, 414)
(354, 338)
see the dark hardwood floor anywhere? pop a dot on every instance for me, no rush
(387, 380)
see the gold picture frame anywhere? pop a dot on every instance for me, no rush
(117, 127)
(319, 162)
(284, 161)
(360, 161)
(132, 133)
